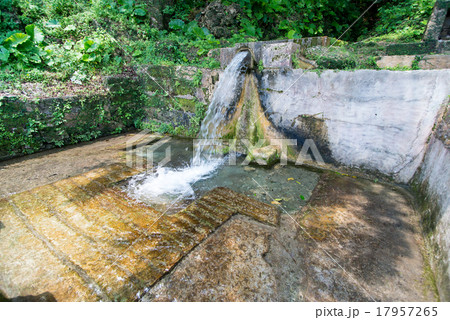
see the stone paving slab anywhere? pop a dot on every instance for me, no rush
(83, 239)
(355, 240)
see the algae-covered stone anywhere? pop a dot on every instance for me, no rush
(396, 61)
(265, 156)
(430, 62)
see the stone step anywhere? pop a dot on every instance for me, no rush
(72, 213)
(244, 205)
(111, 174)
(95, 210)
(28, 267)
(111, 279)
(109, 246)
(117, 202)
(72, 216)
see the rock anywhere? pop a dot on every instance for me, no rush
(273, 54)
(375, 240)
(229, 266)
(435, 62)
(221, 20)
(395, 61)
(59, 257)
(265, 156)
(303, 63)
(437, 20)
(246, 121)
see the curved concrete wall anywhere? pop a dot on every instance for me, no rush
(433, 181)
(377, 120)
(394, 122)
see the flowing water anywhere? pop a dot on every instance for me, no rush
(225, 98)
(173, 184)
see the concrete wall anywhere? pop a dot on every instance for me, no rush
(272, 54)
(376, 120)
(432, 181)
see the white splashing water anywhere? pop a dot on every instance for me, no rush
(168, 184)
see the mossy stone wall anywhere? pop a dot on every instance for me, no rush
(165, 99)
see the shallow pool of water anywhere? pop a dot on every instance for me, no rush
(173, 186)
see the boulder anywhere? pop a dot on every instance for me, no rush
(265, 156)
(435, 62)
(221, 20)
(395, 61)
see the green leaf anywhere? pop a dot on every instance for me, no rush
(70, 27)
(87, 58)
(34, 58)
(53, 23)
(90, 45)
(291, 34)
(68, 45)
(137, 53)
(201, 52)
(35, 33)
(140, 12)
(302, 197)
(4, 54)
(16, 39)
(198, 32)
(93, 48)
(176, 24)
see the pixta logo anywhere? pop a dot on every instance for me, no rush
(141, 150)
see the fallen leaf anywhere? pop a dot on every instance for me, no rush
(302, 197)
(298, 182)
(275, 202)
(290, 179)
(280, 199)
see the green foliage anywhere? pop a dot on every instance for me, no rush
(300, 18)
(403, 20)
(260, 66)
(346, 57)
(84, 37)
(8, 18)
(23, 131)
(23, 48)
(197, 79)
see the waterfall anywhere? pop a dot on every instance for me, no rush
(167, 184)
(223, 104)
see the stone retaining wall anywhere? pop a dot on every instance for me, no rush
(170, 99)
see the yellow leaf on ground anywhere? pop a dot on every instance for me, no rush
(290, 179)
(275, 202)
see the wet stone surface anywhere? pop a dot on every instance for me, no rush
(82, 239)
(367, 229)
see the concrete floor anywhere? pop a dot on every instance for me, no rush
(355, 241)
(70, 234)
